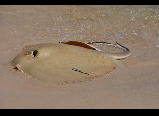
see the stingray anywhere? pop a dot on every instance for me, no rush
(67, 62)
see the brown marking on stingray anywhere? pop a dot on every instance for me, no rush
(77, 43)
(16, 68)
(75, 69)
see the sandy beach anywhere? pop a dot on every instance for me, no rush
(133, 85)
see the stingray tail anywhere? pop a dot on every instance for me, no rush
(126, 52)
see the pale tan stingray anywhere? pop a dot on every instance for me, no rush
(66, 62)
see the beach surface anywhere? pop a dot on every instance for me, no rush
(135, 84)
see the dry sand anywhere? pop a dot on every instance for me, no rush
(134, 85)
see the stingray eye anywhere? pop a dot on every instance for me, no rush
(34, 53)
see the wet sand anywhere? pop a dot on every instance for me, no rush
(133, 85)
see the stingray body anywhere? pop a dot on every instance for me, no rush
(67, 62)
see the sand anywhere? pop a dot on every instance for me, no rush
(133, 85)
